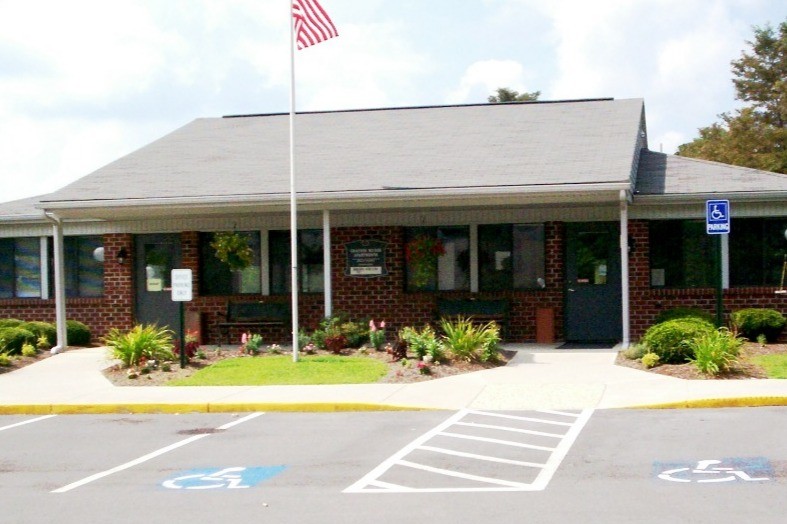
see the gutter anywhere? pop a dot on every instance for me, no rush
(327, 197)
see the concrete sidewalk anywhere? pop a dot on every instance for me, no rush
(538, 377)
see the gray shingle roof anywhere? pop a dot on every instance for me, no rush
(21, 210)
(661, 174)
(517, 145)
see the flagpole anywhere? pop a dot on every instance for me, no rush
(293, 203)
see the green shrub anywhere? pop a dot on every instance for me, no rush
(339, 329)
(418, 341)
(43, 343)
(715, 352)
(42, 329)
(670, 340)
(467, 341)
(683, 312)
(650, 360)
(5, 360)
(356, 333)
(77, 334)
(143, 342)
(635, 351)
(756, 321)
(13, 338)
(10, 322)
(29, 350)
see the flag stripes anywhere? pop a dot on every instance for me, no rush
(312, 23)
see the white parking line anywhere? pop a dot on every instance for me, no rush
(149, 456)
(401, 461)
(38, 419)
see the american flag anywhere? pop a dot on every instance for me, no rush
(312, 23)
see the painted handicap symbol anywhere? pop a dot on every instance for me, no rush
(227, 478)
(709, 471)
(716, 213)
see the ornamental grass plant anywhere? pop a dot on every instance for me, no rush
(143, 342)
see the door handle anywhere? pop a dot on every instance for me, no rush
(570, 290)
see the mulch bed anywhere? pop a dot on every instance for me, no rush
(744, 369)
(398, 372)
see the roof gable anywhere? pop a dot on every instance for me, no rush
(522, 146)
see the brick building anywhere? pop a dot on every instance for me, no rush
(527, 202)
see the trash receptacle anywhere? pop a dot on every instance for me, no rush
(545, 325)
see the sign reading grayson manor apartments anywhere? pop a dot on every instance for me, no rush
(366, 258)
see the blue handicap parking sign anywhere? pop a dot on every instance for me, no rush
(717, 217)
(221, 478)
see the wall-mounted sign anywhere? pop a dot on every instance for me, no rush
(366, 258)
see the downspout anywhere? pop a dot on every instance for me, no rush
(60, 284)
(624, 266)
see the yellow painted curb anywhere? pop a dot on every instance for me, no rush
(26, 409)
(739, 402)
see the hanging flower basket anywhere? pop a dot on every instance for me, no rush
(233, 249)
(422, 254)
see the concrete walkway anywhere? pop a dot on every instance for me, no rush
(538, 377)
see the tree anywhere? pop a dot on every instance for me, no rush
(755, 136)
(505, 94)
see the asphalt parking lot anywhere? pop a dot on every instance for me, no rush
(607, 466)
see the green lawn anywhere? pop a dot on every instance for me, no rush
(281, 370)
(775, 365)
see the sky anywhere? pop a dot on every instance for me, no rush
(85, 82)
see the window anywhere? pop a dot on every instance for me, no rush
(681, 254)
(453, 266)
(310, 261)
(511, 256)
(216, 278)
(757, 251)
(20, 267)
(84, 274)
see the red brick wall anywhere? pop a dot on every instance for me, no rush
(384, 298)
(114, 309)
(646, 303)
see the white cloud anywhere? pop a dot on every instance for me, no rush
(482, 79)
(370, 65)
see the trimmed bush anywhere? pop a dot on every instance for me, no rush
(683, 312)
(77, 333)
(42, 329)
(10, 322)
(13, 338)
(753, 322)
(670, 340)
(4, 360)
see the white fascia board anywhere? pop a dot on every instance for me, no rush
(337, 200)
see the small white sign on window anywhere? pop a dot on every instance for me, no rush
(657, 277)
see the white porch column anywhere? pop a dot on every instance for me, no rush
(474, 258)
(326, 261)
(60, 285)
(624, 266)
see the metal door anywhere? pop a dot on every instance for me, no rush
(155, 257)
(593, 295)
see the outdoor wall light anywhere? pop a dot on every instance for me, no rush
(122, 256)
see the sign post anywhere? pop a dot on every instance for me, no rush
(182, 292)
(717, 222)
